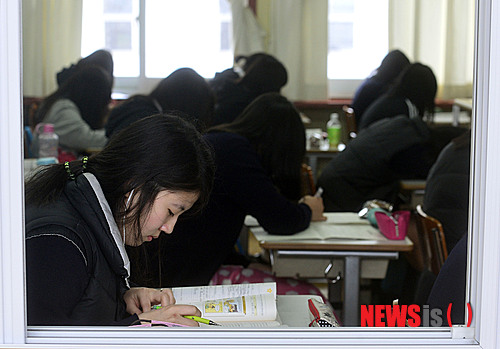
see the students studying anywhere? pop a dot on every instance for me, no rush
(258, 160)
(78, 110)
(81, 214)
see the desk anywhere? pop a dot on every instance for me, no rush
(294, 310)
(458, 105)
(351, 251)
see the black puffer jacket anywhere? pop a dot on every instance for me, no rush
(372, 164)
(77, 268)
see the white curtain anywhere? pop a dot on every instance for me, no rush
(248, 36)
(440, 34)
(298, 38)
(51, 40)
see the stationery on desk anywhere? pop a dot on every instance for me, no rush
(339, 225)
(241, 305)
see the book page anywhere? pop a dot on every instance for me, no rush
(346, 231)
(260, 307)
(324, 231)
(202, 293)
(344, 218)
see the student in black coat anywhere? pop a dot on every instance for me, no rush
(378, 82)
(258, 165)
(446, 195)
(252, 76)
(184, 93)
(372, 164)
(450, 284)
(412, 94)
(99, 58)
(81, 214)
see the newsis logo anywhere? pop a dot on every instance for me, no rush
(406, 315)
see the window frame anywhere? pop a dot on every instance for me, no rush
(485, 296)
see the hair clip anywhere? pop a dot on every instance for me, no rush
(68, 170)
(85, 159)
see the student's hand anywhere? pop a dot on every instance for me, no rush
(140, 299)
(316, 206)
(173, 313)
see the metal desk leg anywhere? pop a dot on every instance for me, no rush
(455, 110)
(351, 291)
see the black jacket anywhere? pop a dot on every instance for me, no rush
(200, 245)
(372, 164)
(447, 191)
(76, 269)
(129, 111)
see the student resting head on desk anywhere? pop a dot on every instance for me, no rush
(258, 162)
(81, 214)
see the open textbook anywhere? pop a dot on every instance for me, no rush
(339, 225)
(242, 305)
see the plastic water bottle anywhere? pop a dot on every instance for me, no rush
(48, 142)
(334, 130)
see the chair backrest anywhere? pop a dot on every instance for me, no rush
(308, 186)
(433, 241)
(352, 130)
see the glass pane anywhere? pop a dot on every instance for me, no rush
(187, 34)
(357, 37)
(112, 25)
(118, 35)
(117, 6)
(226, 36)
(340, 36)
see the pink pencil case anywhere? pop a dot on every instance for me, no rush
(393, 226)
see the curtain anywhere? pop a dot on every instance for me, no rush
(295, 32)
(440, 34)
(248, 36)
(298, 38)
(51, 40)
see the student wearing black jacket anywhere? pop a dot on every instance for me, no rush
(378, 82)
(184, 93)
(258, 161)
(412, 94)
(81, 214)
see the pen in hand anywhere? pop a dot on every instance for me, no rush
(201, 320)
(192, 317)
(318, 193)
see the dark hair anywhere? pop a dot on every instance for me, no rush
(417, 83)
(274, 128)
(153, 154)
(90, 89)
(100, 58)
(263, 73)
(186, 93)
(392, 65)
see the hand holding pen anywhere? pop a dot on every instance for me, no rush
(173, 313)
(192, 317)
(315, 203)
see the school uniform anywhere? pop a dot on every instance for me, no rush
(372, 164)
(74, 133)
(199, 246)
(77, 267)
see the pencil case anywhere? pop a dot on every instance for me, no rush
(393, 226)
(321, 314)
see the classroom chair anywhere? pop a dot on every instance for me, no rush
(429, 251)
(307, 176)
(352, 131)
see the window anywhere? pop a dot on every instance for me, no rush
(149, 39)
(357, 42)
(484, 245)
